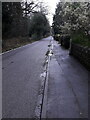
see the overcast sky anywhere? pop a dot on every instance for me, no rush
(52, 5)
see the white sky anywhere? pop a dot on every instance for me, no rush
(52, 5)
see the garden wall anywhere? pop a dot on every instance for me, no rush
(81, 53)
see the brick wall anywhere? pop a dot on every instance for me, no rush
(81, 53)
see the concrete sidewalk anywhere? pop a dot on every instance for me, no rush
(67, 95)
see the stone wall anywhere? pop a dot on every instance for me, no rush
(81, 53)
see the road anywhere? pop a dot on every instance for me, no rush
(21, 79)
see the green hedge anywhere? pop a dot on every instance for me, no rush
(81, 39)
(81, 53)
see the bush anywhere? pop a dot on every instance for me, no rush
(81, 39)
(65, 41)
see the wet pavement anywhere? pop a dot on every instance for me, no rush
(67, 95)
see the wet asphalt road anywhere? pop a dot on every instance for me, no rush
(21, 79)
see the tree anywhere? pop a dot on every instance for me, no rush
(17, 20)
(11, 18)
(58, 19)
(33, 6)
(39, 25)
(16, 17)
(75, 17)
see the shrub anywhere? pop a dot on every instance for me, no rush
(81, 39)
(65, 41)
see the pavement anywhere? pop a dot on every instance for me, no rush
(67, 94)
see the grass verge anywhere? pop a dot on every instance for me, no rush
(12, 43)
